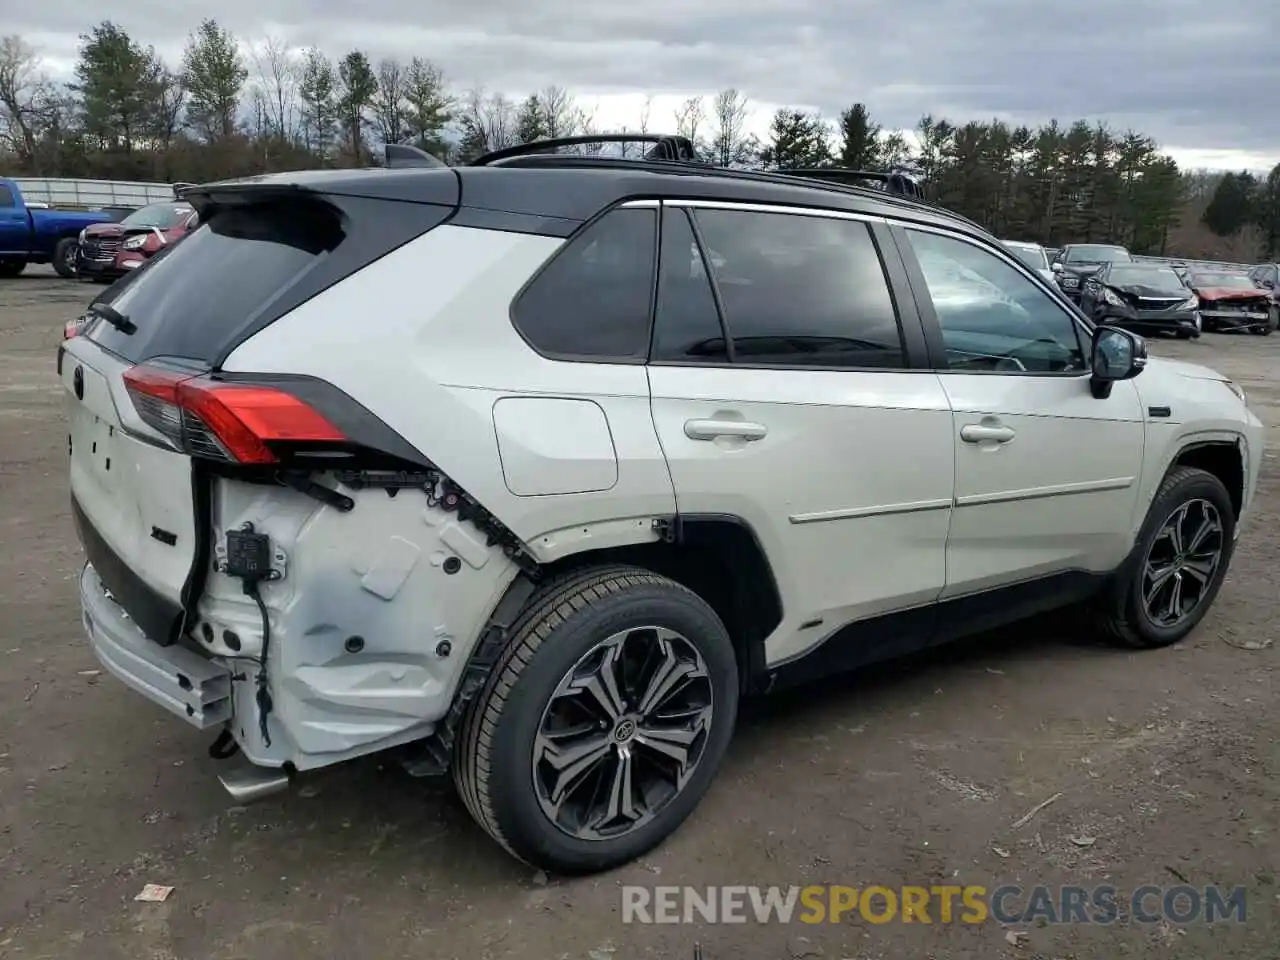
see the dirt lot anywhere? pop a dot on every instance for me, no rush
(910, 774)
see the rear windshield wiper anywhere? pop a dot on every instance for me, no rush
(113, 317)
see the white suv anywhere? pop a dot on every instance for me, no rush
(530, 469)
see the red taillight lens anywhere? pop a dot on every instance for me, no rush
(72, 328)
(224, 421)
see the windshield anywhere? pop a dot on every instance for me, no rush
(1090, 253)
(1148, 276)
(1033, 257)
(1231, 281)
(163, 215)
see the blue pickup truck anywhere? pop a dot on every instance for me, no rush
(33, 235)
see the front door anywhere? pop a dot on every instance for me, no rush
(15, 232)
(783, 394)
(1047, 475)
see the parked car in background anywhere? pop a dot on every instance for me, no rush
(110, 250)
(1032, 254)
(1141, 296)
(31, 233)
(1230, 300)
(1079, 261)
(1266, 276)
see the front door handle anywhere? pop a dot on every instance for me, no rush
(980, 432)
(714, 429)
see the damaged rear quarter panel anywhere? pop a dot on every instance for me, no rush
(373, 579)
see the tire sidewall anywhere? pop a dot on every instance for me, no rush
(1201, 486)
(64, 254)
(515, 806)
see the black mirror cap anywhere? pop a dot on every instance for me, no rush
(1115, 354)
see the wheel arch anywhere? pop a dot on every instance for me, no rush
(720, 557)
(1226, 459)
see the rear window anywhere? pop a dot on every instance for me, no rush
(194, 299)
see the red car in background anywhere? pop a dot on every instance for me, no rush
(1230, 300)
(108, 251)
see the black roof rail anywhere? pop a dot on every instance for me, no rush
(401, 155)
(666, 147)
(895, 181)
(672, 153)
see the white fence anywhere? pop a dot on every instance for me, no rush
(1202, 264)
(91, 194)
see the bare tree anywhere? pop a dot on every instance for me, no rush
(561, 115)
(689, 117)
(171, 99)
(645, 109)
(729, 142)
(389, 103)
(488, 120)
(276, 81)
(25, 95)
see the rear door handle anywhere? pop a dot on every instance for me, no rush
(714, 429)
(978, 432)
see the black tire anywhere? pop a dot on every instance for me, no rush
(493, 763)
(11, 268)
(1273, 320)
(1120, 612)
(64, 258)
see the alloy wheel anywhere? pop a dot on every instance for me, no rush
(622, 734)
(1182, 562)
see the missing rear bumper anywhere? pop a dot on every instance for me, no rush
(186, 684)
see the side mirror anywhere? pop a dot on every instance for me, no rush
(1269, 284)
(1116, 354)
(1057, 266)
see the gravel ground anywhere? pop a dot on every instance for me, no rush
(909, 774)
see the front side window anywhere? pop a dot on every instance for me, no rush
(594, 299)
(794, 290)
(992, 317)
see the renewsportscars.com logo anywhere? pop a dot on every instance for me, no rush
(970, 904)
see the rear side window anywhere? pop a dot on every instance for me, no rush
(6, 197)
(801, 290)
(686, 325)
(190, 302)
(594, 299)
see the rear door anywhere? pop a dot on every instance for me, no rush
(1046, 475)
(789, 393)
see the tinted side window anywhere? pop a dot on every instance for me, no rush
(594, 299)
(686, 324)
(801, 290)
(992, 317)
(6, 197)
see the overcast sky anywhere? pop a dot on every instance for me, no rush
(1202, 78)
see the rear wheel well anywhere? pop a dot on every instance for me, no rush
(1221, 459)
(719, 559)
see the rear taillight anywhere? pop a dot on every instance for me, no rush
(236, 422)
(72, 328)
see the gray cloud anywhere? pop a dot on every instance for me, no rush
(1192, 75)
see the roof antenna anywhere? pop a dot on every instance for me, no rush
(402, 155)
